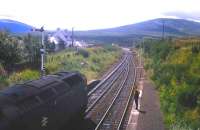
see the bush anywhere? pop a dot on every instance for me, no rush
(110, 48)
(84, 53)
(176, 74)
(10, 50)
(180, 126)
(51, 67)
(187, 99)
(188, 96)
(195, 49)
(25, 75)
(192, 80)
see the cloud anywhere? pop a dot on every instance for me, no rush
(184, 15)
(6, 16)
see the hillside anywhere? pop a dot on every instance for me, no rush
(14, 26)
(172, 27)
(126, 35)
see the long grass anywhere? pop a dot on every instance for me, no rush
(180, 126)
(97, 61)
(91, 62)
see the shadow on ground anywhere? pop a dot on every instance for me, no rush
(142, 111)
(81, 124)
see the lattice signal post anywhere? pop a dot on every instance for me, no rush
(42, 50)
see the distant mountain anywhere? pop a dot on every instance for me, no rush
(172, 27)
(14, 26)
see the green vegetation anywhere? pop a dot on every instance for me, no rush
(17, 53)
(9, 50)
(20, 59)
(174, 67)
(180, 126)
(22, 76)
(24, 50)
(91, 61)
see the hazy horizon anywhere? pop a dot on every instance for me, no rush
(94, 14)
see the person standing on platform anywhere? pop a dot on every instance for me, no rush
(136, 97)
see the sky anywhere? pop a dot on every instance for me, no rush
(95, 14)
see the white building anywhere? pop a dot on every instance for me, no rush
(64, 37)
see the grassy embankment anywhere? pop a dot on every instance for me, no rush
(92, 62)
(174, 66)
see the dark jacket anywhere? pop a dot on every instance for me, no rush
(136, 95)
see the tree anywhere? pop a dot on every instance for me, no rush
(9, 50)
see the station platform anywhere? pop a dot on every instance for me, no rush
(149, 116)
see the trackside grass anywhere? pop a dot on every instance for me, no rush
(90, 62)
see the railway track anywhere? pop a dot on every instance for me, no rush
(129, 106)
(100, 106)
(103, 87)
(109, 109)
(115, 113)
(109, 76)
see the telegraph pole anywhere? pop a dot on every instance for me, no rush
(73, 37)
(42, 50)
(163, 29)
(140, 62)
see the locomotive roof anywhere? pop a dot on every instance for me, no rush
(20, 91)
